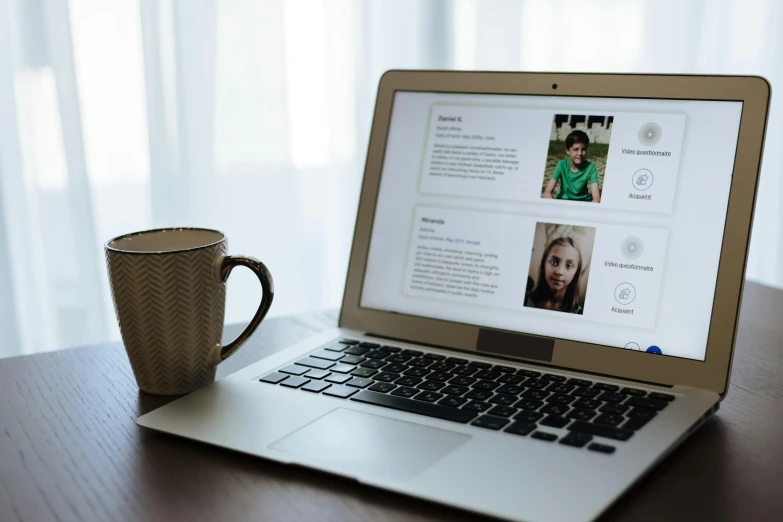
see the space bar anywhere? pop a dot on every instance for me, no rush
(414, 406)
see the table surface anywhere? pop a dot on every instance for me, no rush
(70, 449)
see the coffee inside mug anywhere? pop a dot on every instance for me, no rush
(166, 240)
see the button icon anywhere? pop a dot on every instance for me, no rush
(642, 179)
(632, 247)
(650, 134)
(625, 293)
(633, 346)
(654, 349)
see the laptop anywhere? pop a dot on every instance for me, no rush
(542, 296)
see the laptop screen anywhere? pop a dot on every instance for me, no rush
(597, 220)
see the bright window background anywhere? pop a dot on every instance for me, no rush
(252, 116)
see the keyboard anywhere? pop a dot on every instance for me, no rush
(517, 401)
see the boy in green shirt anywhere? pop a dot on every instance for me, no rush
(575, 173)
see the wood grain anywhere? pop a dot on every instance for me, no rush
(70, 450)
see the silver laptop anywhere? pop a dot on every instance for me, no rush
(542, 295)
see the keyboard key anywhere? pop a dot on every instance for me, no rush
(368, 344)
(356, 350)
(359, 382)
(456, 360)
(605, 387)
(528, 373)
(553, 378)
(373, 363)
(349, 341)
(338, 378)
(326, 354)
(274, 377)
(601, 430)
(383, 387)
(588, 404)
(611, 397)
(510, 379)
(661, 396)
(554, 421)
(601, 448)
(634, 391)
(616, 409)
(462, 380)
(414, 406)
(455, 390)
(407, 380)
(316, 386)
(377, 354)
(352, 359)
(428, 396)
(579, 382)
(416, 372)
(295, 369)
(464, 370)
(364, 372)
(421, 362)
(502, 398)
(413, 353)
(558, 387)
(431, 385)
(435, 356)
(453, 401)
(502, 411)
(609, 419)
(503, 369)
(385, 376)
(511, 389)
(636, 423)
(405, 391)
(529, 416)
(581, 414)
(485, 385)
(529, 404)
(391, 349)
(490, 422)
(336, 347)
(477, 406)
(561, 398)
(480, 365)
(521, 428)
(644, 402)
(542, 435)
(534, 394)
(555, 409)
(311, 362)
(439, 376)
(339, 391)
(441, 367)
(488, 375)
(398, 358)
(395, 367)
(641, 412)
(587, 393)
(342, 368)
(576, 439)
(479, 395)
(536, 384)
(317, 374)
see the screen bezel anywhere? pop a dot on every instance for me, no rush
(713, 372)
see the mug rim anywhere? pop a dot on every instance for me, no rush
(108, 246)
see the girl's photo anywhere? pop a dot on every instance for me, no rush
(559, 267)
(576, 161)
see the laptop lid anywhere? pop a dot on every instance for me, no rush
(594, 222)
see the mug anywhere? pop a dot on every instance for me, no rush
(169, 293)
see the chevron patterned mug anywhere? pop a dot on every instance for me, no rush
(169, 292)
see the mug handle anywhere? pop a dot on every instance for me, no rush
(265, 277)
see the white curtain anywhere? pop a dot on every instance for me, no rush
(251, 116)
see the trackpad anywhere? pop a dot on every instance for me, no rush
(366, 444)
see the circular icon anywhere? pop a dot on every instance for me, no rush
(650, 134)
(654, 349)
(633, 346)
(642, 179)
(625, 293)
(632, 247)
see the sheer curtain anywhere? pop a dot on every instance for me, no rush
(251, 116)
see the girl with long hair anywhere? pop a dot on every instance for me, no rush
(558, 278)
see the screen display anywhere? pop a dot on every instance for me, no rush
(597, 220)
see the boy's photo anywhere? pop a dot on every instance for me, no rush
(559, 267)
(576, 162)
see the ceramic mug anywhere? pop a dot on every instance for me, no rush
(169, 292)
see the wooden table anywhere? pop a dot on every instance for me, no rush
(70, 450)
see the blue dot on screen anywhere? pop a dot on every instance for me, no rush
(654, 349)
